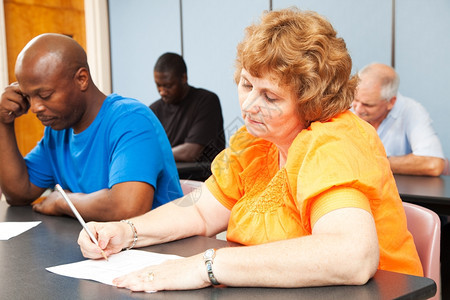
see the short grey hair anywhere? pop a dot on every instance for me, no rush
(389, 81)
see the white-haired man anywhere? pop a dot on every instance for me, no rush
(403, 125)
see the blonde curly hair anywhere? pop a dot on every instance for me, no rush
(301, 50)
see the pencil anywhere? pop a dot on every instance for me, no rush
(80, 219)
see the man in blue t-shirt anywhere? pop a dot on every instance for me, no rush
(109, 152)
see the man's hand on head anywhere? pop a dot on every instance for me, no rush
(13, 103)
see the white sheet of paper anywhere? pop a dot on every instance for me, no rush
(12, 229)
(117, 265)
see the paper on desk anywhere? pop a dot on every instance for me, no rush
(117, 265)
(12, 229)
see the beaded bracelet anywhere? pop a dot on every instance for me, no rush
(135, 237)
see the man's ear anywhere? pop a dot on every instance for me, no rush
(391, 102)
(82, 78)
(184, 78)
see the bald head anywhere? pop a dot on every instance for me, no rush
(50, 52)
(376, 93)
(53, 77)
(381, 77)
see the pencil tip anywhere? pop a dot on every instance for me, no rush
(104, 255)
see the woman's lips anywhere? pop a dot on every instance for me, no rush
(253, 121)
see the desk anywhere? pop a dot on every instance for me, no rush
(430, 192)
(23, 260)
(194, 170)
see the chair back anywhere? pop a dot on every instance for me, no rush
(425, 227)
(446, 170)
(188, 185)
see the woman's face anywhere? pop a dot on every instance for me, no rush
(269, 110)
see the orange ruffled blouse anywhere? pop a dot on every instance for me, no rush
(331, 165)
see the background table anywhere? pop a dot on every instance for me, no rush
(430, 192)
(194, 170)
(23, 260)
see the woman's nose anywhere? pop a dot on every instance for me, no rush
(251, 102)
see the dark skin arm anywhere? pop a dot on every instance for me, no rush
(14, 180)
(187, 151)
(122, 201)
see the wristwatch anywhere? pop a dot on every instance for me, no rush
(208, 257)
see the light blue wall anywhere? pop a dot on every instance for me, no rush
(423, 59)
(365, 25)
(212, 30)
(141, 30)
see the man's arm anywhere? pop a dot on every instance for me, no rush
(14, 179)
(135, 163)
(417, 165)
(207, 126)
(427, 155)
(187, 151)
(122, 201)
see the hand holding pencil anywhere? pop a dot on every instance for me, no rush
(78, 216)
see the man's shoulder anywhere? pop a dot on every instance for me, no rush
(201, 93)
(121, 100)
(156, 104)
(120, 104)
(408, 106)
(407, 101)
(118, 109)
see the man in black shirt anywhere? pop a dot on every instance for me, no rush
(191, 117)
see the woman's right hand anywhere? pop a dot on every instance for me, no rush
(112, 238)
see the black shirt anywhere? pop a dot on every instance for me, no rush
(195, 119)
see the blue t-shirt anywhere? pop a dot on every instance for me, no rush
(125, 142)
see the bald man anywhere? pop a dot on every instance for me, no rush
(403, 125)
(95, 146)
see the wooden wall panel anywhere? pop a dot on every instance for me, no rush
(25, 19)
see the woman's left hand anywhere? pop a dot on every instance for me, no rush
(177, 274)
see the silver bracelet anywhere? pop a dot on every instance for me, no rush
(208, 257)
(135, 237)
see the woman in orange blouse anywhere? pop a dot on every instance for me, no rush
(305, 184)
